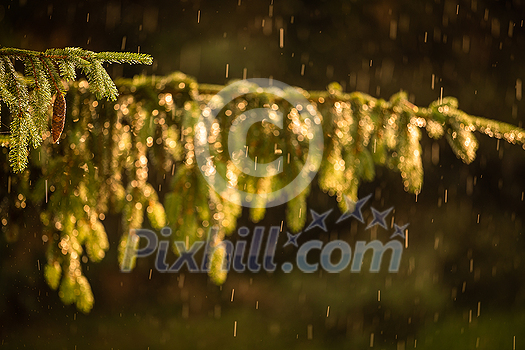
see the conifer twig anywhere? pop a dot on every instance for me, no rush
(28, 96)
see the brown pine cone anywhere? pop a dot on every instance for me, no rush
(59, 117)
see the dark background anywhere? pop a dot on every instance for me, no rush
(461, 281)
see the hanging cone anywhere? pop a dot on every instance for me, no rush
(59, 117)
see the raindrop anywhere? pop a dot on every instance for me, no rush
(393, 29)
(479, 308)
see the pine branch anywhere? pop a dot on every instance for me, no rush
(112, 149)
(28, 96)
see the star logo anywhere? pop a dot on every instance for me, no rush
(400, 231)
(292, 239)
(318, 220)
(357, 206)
(379, 218)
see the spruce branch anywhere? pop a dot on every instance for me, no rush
(113, 149)
(29, 96)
